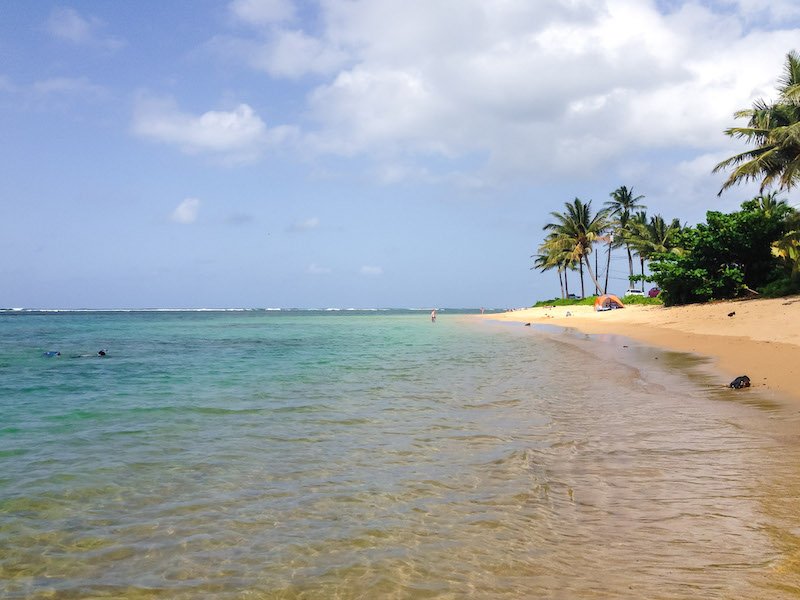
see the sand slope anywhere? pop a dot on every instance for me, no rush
(761, 340)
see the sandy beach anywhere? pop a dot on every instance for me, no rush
(761, 339)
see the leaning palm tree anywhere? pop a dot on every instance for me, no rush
(556, 252)
(621, 206)
(774, 130)
(575, 231)
(653, 236)
(545, 262)
(542, 263)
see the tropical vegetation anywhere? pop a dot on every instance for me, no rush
(730, 255)
(621, 206)
(752, 251)
(774, 129)
(574, 233)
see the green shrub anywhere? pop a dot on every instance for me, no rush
(720, 258)
(782, 287)
(642, 300)
(588, 301)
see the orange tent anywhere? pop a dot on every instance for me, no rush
(607, 302)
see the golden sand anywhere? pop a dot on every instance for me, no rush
(761, 339)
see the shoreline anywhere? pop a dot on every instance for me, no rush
(761, 339)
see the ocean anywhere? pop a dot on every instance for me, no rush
(375, 454)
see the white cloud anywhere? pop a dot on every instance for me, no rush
(527, 89)
(774, 11)
(69, 25)
(315, 269)
(291, 53)
(286, 53)
(371, 270)
(238, 135)
(262, 12)
(304, 225)
(186, 211)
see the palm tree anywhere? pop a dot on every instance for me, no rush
(621, 206)
(561, 251)
(555, 253)
(771, 205)
(788, 246)
(575, 231)
(774, 129)
(653, 236)
(544, 262)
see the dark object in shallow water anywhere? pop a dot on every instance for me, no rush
(101, 353)
(740, 382)
(527, 324)
(51, 353)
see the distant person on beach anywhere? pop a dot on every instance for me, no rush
(433, 316)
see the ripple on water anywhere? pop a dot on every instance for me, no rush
(382, 457)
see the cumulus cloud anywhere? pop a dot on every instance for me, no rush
(236, 136)
(774, 12)
(548, 95)
(371, 270)
(532, 89)
(186, 211)
(292, 53)
(304, 225)
(283, 53)
(67, 24)
(262, 12)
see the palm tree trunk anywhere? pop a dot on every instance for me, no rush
(596, 270)
(641, 258)
(589, 268)
(583, 292)
(566, 282)
(561, 283)
(608, 268)
(630, 265)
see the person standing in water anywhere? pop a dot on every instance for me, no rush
(433, 316)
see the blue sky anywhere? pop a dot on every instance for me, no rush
(270, 153)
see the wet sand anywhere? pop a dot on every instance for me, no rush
(761, 339)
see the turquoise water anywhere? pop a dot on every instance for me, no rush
(372, 455)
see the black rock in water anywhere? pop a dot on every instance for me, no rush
(740, 382)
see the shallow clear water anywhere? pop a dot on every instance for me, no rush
(313, 455)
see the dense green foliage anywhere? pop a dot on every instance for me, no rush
(588, 301)
(642, 300)
(574, 233)
(727, 256)
(755, 250)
